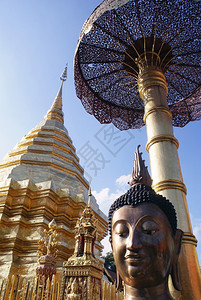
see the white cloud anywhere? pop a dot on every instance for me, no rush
(197, 228)
(197, 231)
(121, 187)
(107, 246)
(106, 197)
(123, 180)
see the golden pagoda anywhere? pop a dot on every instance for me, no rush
(40, 180)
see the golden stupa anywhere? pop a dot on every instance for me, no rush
(40, 180)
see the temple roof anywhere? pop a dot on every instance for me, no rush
(46, 158)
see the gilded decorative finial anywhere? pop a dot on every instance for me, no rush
(85, 235)
(140, 174)
(48, 241)
(47, 252)
(89, 194)
(63, 76)
(52, 224)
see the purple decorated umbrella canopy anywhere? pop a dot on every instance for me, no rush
(139, 61)
(106, 61)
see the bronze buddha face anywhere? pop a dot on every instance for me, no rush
(145, 240)
(144, 246)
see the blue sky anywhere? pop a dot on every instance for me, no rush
(37, 38)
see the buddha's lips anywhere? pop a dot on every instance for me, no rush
(135, 258)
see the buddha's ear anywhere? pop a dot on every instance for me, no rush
(119, 284)
(175, 267)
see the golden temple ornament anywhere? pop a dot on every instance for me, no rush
(47, 250)
(83, 271)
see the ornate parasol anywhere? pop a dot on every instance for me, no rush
(113, 41)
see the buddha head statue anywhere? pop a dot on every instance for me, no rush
(144, 237)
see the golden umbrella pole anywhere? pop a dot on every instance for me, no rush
(165, 168)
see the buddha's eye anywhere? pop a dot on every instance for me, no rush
(149, 227)
(121, 230)
(149, 232)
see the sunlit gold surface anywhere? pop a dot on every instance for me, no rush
(169, 184)
(189, 238)
(162, 138)
(149, 78)
(155, 109)
(23, 211)
(48, 164)
(57, 117)
(17, 287)
(40, 180)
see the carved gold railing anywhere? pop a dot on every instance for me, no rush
(18, 288)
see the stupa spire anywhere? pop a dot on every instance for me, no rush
(55, 112)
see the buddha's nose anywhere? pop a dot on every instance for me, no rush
(134, 242)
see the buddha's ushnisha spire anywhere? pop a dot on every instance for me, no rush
(140, 174)
(55, 112)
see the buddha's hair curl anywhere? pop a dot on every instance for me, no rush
(142, 193)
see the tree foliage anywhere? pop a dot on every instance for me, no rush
(109, 261)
